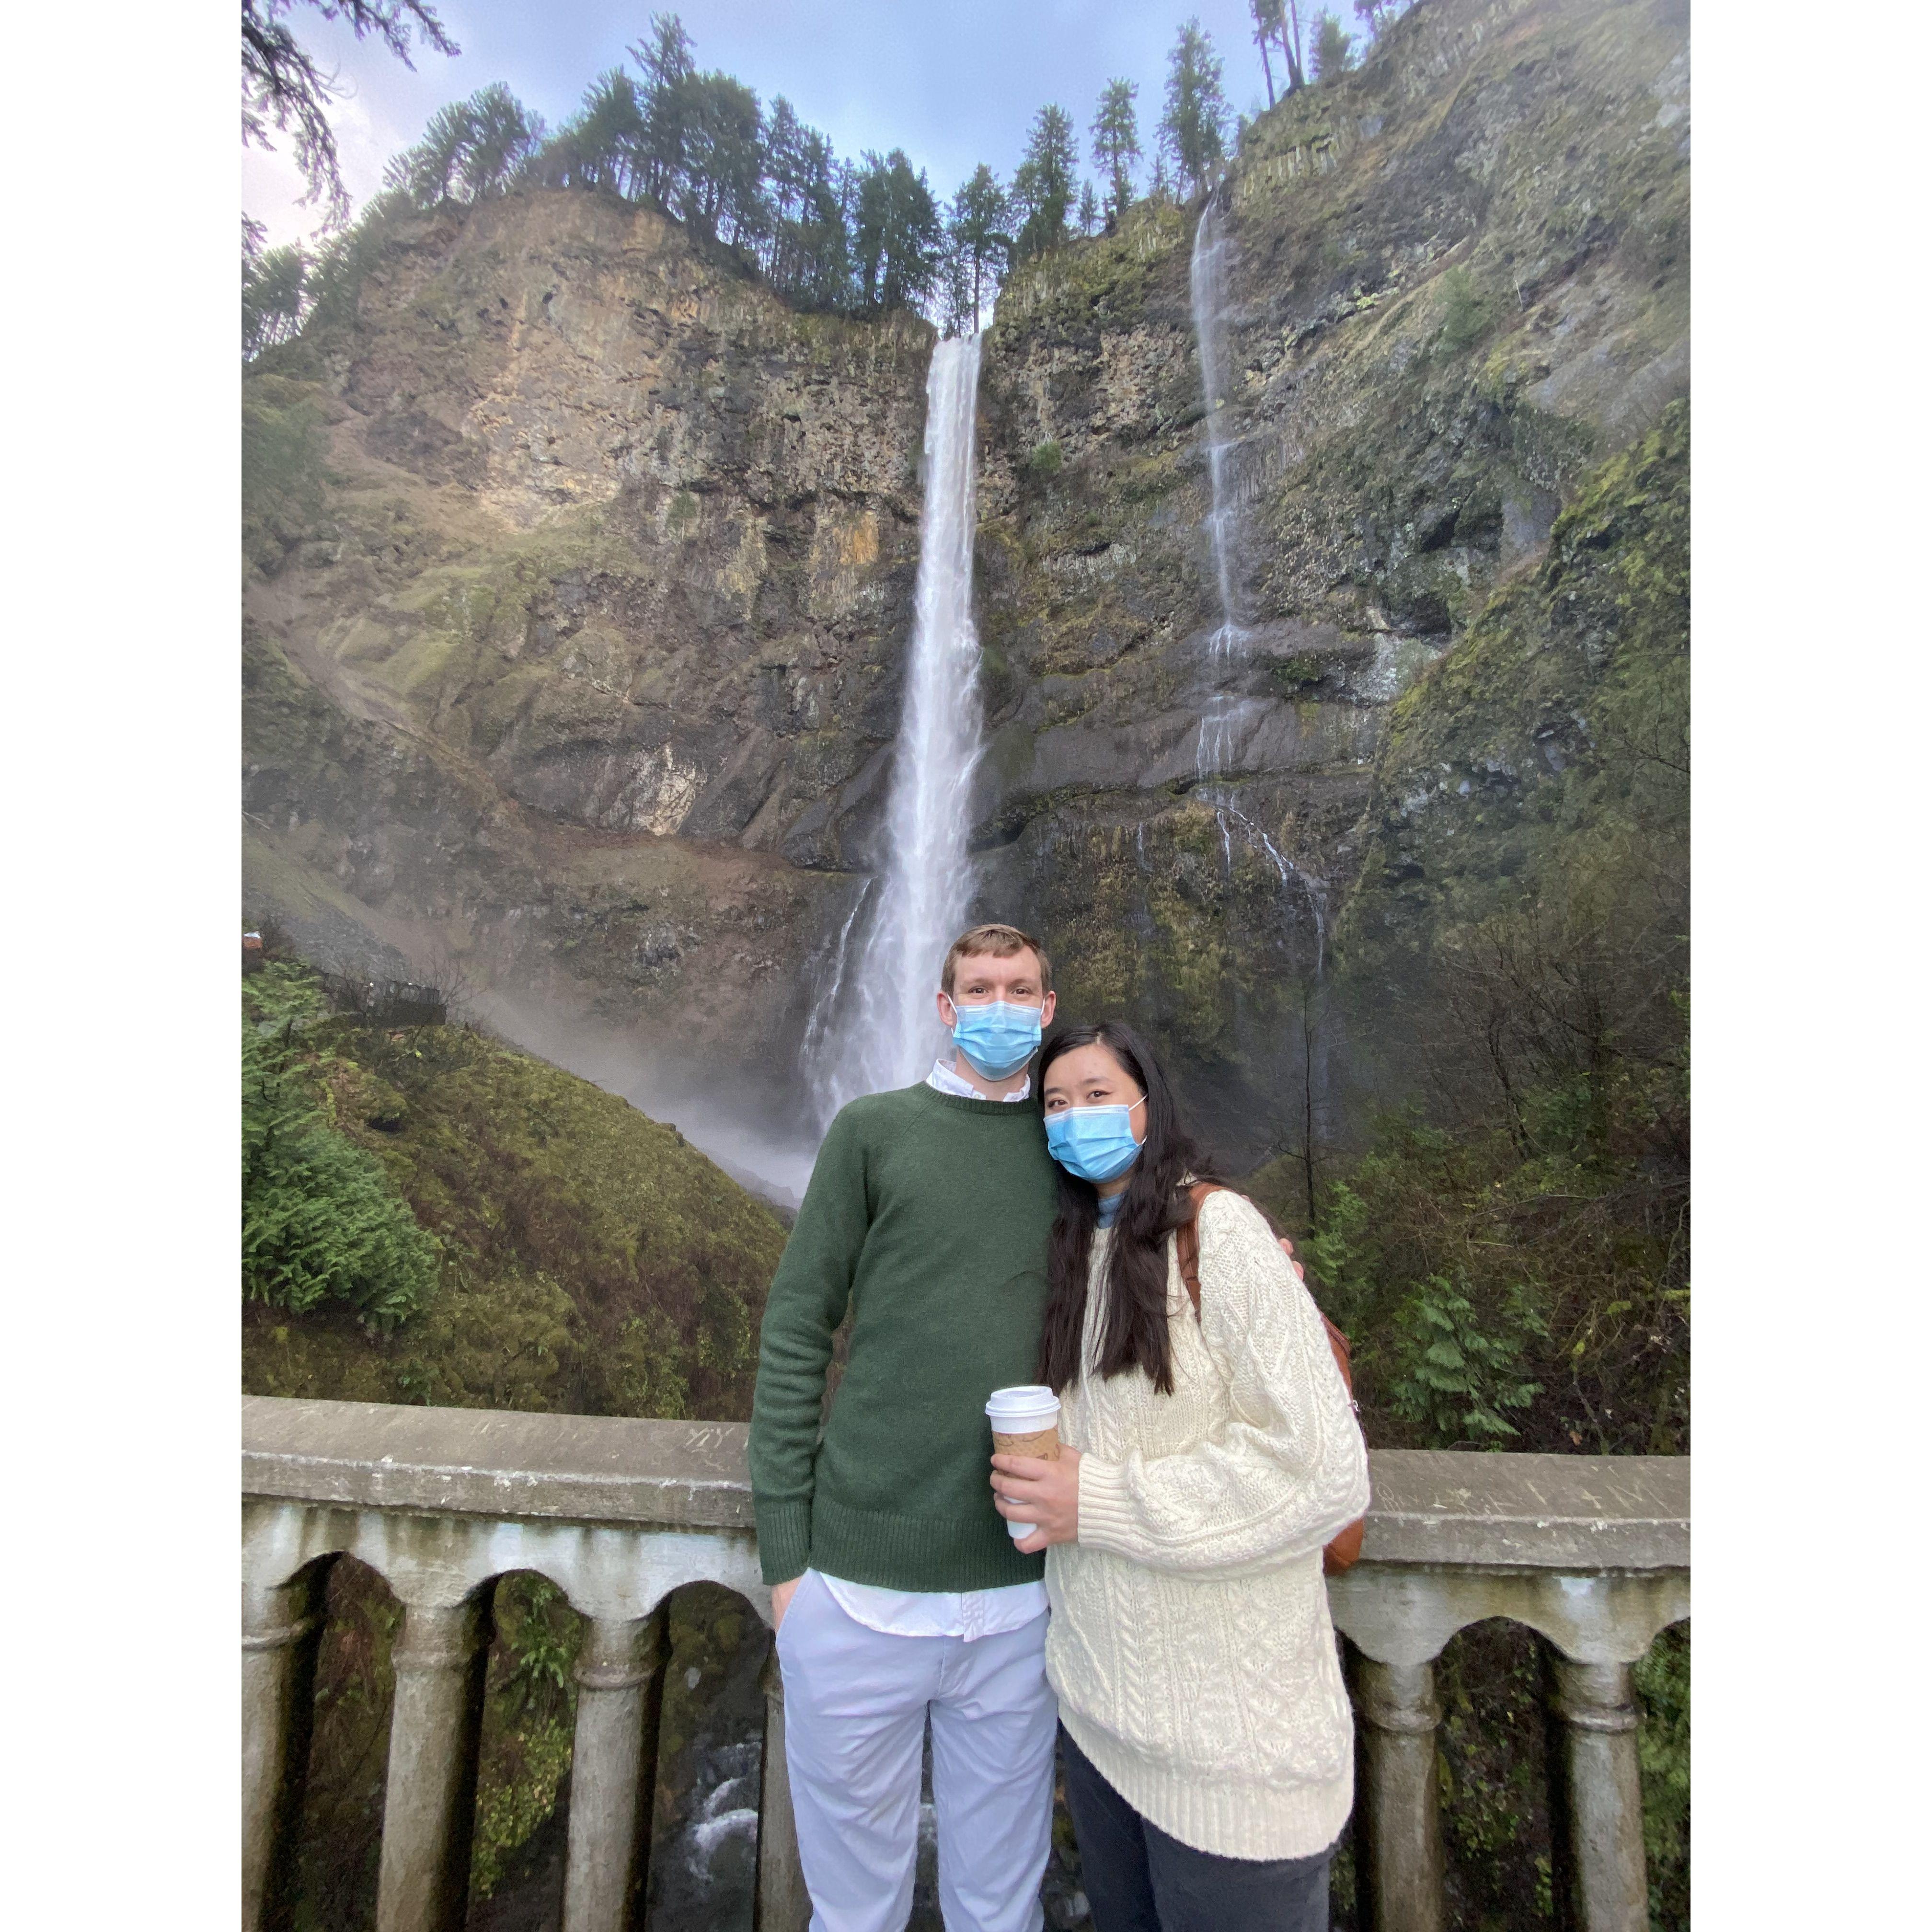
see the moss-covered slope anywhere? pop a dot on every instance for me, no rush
(591, 1260)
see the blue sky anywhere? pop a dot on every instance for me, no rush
(952, 84)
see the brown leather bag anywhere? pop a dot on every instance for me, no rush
(1346, 1546)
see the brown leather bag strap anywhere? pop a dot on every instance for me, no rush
(1187, 1243)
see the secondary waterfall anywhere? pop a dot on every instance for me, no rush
(1227, 647)
(877, 1028)
(1207, 290)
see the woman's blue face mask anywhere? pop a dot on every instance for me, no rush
(997, 1036)
(1096, 1143)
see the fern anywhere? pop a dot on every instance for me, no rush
(1454, 1378)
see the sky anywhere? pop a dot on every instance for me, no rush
(952, 83)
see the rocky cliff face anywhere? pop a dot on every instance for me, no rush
(581, 568)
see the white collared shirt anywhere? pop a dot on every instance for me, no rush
(962, 1613)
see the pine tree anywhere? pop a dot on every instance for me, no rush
(979, 243)
(471, 149)
(1193, 127)
(282, 86)
(669, 70)
(1267, 16)
(721, 180)
(1043, 183)
(899, 236)
(1116, 143)
(274, 295)
(1089, 217)
(1334, 51)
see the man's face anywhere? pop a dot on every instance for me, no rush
(981, 977)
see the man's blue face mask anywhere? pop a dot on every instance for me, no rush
(1096, 1143)
(997, 1037)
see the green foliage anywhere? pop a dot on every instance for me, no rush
(977, 244)
(1116, 143)
(275, 289)
(471, 150)
(593, 1262)
(1454, 1375)
(1045, 461)
(282, 448)
(1194, 127)
(1468, 314)
(1663, 1752)
(1334, 49)
(282, 87)
(529, 1706)
(1516, 948)
(897, 237)
(321, 1221)
(1043, 183)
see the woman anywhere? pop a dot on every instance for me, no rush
(1204, 1729)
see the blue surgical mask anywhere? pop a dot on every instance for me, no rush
(998, 1038)
(1096, 1143)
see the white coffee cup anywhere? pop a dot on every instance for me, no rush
(1020, 1416)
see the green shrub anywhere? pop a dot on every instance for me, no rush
(320, 1220)
(1467, 314)
(1045, 460)
(1454, 1377)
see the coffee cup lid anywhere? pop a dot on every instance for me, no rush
(1027, 1400)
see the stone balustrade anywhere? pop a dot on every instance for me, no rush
(1593, 1553)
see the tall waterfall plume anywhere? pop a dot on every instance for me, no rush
(1207, 290)
(877, 1028)
(1227, 647)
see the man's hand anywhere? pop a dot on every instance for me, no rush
(1029, 1488)
(1288, 1249)
(782, 1596)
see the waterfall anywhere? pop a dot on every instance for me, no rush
(1227, 647)
(1207, 290)
(878, 1028)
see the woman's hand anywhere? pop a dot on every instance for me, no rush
(1028, 1488)
(1288, 1249)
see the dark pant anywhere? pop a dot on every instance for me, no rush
(1137, 1879)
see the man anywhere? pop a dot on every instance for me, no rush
(896, 1589)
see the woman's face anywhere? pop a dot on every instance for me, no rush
(1089, 1076)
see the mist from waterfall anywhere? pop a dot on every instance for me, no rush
(875, 1027)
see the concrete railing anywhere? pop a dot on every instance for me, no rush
(1593, 1553)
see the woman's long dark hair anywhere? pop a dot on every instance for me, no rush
(1154, 1204)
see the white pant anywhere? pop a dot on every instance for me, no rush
(856, 1702)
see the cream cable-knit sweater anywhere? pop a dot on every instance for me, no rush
(1189, 1645)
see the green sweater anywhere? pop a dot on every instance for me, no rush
(928, 1214)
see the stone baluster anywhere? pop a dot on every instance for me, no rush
(620, 1671)
(281, 1631)
(1596, 1797)
(1398, 1820)
(782, 1903)
(429, 1810)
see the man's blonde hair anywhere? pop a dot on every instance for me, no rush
(1001, 942)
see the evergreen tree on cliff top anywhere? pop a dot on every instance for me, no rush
(899, 237)
(283, 88)
(1334, 50)
(1043, 182)
(977, 241)
(471, 149)
(1193, 130)
(1116, 143)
